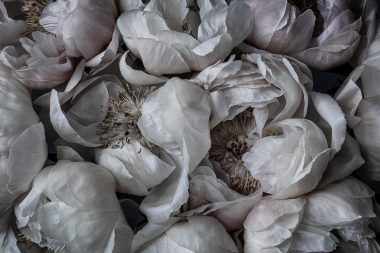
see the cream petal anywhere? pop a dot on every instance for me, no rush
(270, 225)
(135, 168)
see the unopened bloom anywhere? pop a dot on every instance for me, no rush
(73, 207)
(44, 63)
(323, 34)
(85, 26)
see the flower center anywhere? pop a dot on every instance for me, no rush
(228, 144)
(120, 124)
(304, 5)
(32, 10)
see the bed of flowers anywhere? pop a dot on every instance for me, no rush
(189, 126)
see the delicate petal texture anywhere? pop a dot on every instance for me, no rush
(72, 207)
(313, 239)
(197, 234)
(292, 162)
(22, 143)
(368, 30)
(85, 26)
(43, 66)
(327, 114)
(359, 99)
(258, 81)
(344, 163)
(108, 54)
(176, 118)
(135, 168)
(11, 30)
(158, 35)
(80, 123)
(137, 77)
(167, 198)
(270, 225)
(324, 39)
(345, 206)
(211, 196)
(16, 107)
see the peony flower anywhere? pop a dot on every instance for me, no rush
(322, 34)
(270, 225)
(290, 159)
(22, 148)
(169, 39)
(276, 87)
(44, 65)
(10, 29)
(345, 207)
(141, 157)
(73, 207)
(85, 26)
(359, 99)
(194, 234)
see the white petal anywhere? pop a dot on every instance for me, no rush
(196, 234)
(331, 119)
(135, 168)
(271, 223)
(229, 207)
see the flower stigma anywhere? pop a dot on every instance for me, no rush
(120, 123)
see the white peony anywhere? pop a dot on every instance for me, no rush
(41, 64)
(72, 207)
(85, 26)
(23, 149)
(174, 39)
(323, 34)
